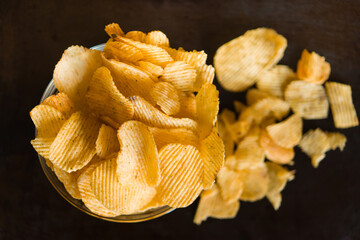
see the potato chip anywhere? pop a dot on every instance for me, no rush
(104, 99)
(106, 142)
(70, 181)
(275, 80)
(239, 107)
(154, 203)
(194, 58)
(204, 74)
(278, 176)
(73, 72)
(163, 136)
(187, 105)
(274, 152)
(157, 38)
(212, 153)
(256, 183)
(341, 104)
(238, 130)
(136, 36)
(181, 170)
(138, 160)
(230, 184)
(113, 28)
(122, 52)
(228, 117)
(307, 99)
(61, 102)
(42, 145)
(336, 140)
(313, 68)
(154, 71)
(225, 135)
(207, 106)
(181, 75)
(153, 117)
(212, 205)
(254, 95)
(239, 62)
(287, 133)
(166, 97)
(74, 145)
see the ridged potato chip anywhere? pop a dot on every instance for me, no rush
(239, 62)
(136, 36)
(157, 38)
(148, 114)
(153, 70)
(181, 170)
(138, 160)
(194, 58)
(254, 95)
(212, 205)
(204, 74)
(61, 102)
(278, 177)
(74, 145)
(69, 180)
(275, 80)
(313, 68)
(154, 203)
(231, 184)
(166, 97)
(42, 145)
(256, 183)
(47, 120)
(287, 133)
(307, 99)
(106, 142)
(104, 99)
(336, 140)
(212, 153)
(73, 72)
(341, 104)
(113, 28)
(122, 52)
(207, 106)
(163, 136)
(225, 135)
(181, 75)
(187, 105)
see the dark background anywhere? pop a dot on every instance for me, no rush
(321, 203)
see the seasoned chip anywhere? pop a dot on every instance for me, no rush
(154, 71)
(336, 140)
(113, 28)
(157, 38)
(307, 99)
(204, 74)
(73, 72)
(163, 136)
(166, 97)
(181, 75)
(187, 105)
(256, 183)
(47, 119)
(207, 106)
(181, 170)
(313, 68)
(42, 145)
(151, 116)
(254, 95)
(239, 62)
(138, 160)
(342, 106)
(239, 107)
(136, 36)
(212, 153)
(62, 103)
(287, 133)
(104, 99)
(194, 58)
(74, 145)
(275, 80)
(106, 142)
(122, 51)
(231, 184)
(70, 181)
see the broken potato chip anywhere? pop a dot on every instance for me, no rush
(313, 68)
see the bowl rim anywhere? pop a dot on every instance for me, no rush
(50, 175)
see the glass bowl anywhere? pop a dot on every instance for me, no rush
(138, 217)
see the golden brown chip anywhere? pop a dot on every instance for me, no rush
(187, 105)
(181, 170)
(287, 133)
(207, 106)
(157, 38)
(163, 136)
(181, 75)
(73, 72)
(238, 130)
(113, 28)
(239, 62)
(42, 145)
(228, 117)
(313, 68)
(136, 36)
(341, 104)
(307, 99)
(239, 107)
(154, 203)
(336, 140)
(204, 74)
(166, 97)
(256, 183)
(138, 160)
(231, 184)
(62, 103)
(104, 99)
(122, 52)
(212, 153)
(226, 137)
(153, 70)
(194, 58)
(153, 117)
(254, 95)
(70, 181)
(106, 142)
(74, 145)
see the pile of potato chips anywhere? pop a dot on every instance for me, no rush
(133, 126)
(260, 139)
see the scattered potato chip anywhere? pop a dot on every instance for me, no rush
(163, 136)
(278, 177)
(151, 116)
(73, 72)
(287, 133)
(42, 145)
(231, 184)
(122, 52)
(336, 140)
(239, 62)
(341, 104)
(47, 120)
(181, 170)
(207, 106)
(275, 80)
(212, 153)
(194, 58)
(212, 205)
(74, 145)
(70, 181)
(254, 95)
(166, 97)
(307, 99)
(181, 75)
(113, 28)
(157, 38)
(256, 183)
(239, 107)
(238, 130)
(225, 135)
(228, 117)
(187, 105)
(104, 99)
(151, 69)
(313, 68)
(106, 142)
(62, 103)
(138, 160)
(204, 74)
(136, 36)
